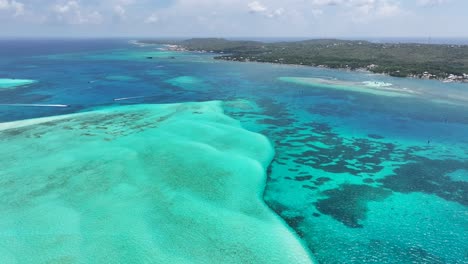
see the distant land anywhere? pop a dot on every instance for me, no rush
(447, 62)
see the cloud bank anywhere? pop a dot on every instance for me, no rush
(318, 18)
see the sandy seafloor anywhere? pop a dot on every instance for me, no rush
(361, 177)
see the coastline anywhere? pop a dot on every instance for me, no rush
(455, 79)
(220, 55)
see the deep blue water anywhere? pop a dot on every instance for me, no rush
(360, 177)
(24, 47)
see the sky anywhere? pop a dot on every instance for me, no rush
(234, 18)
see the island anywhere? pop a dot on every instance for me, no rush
(429, 61)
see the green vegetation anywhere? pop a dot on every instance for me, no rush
(401, 60)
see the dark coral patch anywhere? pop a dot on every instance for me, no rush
(277, 207)
(294, 221)
(330, 110)
(430, 177)
(323, 179)
(356, 157)
(348, 204)
(303, 178)
(13, 132)
(368, 180)
(375, 136)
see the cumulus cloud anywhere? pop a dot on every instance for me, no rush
(256, 7)
(127, 2)
(16, 7)
(317, 12)
(276, 13)
(431, 2)
(327, 2)
(231, 17)
(364, 6)
(387, 9)
(72, 13)
(364, 10)
(120, 11)
(120, 8)
(152, 19)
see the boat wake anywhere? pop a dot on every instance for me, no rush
(36, 105)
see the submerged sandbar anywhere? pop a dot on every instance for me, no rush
(186, 82)
(13, 83)
(178, 183)
(375, 88)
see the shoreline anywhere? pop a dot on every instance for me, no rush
(451, 78)
(363, 70)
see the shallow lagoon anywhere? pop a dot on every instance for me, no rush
(364, 87)
(360, 177)
(175, 183)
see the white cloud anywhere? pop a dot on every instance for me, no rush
(16, 7)
(387, 9)
(277, 13)
(127, 2)
(431, 2)
(153, 18)
(256, 7)
(120, 11)
(327, 2)
(72, 13)
(64, 8)
(94, 17)
(364, 6)
(317, 12)
(320, 18)
(364, 10)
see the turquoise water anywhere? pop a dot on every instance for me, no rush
(13, 83)
(178, 183)
(361, 177)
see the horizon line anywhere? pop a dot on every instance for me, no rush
(231, 37)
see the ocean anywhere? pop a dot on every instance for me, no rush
(141, 145)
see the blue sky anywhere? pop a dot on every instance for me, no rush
(235, 18)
